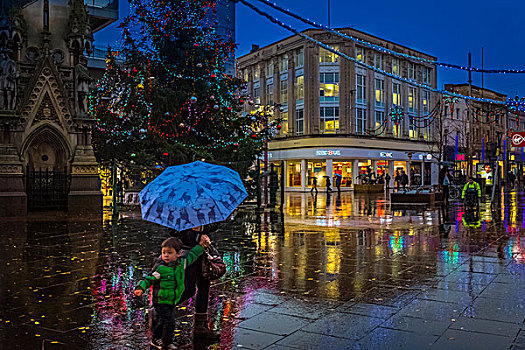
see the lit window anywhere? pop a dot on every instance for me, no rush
(329, 119)
(395, 66)
(380, 92)
(299, 89)
(257, 73)
(380, 118)
(326, 56)
(426, 101)
(396, 94)
(360, 54)
(329, 89)
(411, 99)
(284, 123)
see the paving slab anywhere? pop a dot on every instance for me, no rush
(343, 325)
(274, 323)
(459, 340)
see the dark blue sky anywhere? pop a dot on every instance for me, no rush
(445, 29)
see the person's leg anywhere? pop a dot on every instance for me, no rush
(157, 331)
(167, 318)
(201, 328)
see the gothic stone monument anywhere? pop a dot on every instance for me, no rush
(46, 157)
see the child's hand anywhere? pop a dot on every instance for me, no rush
(205, 241)
(138, 292)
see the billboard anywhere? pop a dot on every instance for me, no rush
(517, 139)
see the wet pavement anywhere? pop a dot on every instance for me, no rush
(337, 272)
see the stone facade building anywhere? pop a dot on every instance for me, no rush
(337, 114)
(46, 157)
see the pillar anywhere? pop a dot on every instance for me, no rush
(304, 186)
(355, 171)
(329, 170)
(408, 172)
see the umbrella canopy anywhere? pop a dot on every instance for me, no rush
(190, 195)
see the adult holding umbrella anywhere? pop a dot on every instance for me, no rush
(189, 198)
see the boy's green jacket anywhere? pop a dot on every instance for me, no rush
(168, 279)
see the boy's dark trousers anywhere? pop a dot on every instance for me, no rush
(165, 323)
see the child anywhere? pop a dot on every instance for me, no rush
(167, 279)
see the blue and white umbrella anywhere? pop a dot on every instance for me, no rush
(190, 195)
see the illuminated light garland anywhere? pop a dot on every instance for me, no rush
(516, 104)
(385, 50)
(352, 59)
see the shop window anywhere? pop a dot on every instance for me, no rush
(317, 169)
(345, 170)
(294, 174)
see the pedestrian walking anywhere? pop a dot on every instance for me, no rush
(387, 180)
(397, 180)
(328, 184)
(314, 185)
(338, 179)
(195, 281)
(404, 180)
(167, 279)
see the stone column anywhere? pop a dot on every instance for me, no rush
(355, 171)
(84, 191)
(329, 170)
(304, 186)
(13, 198)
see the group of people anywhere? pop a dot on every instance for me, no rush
(338, 182)
(175, 277)
(401, 179)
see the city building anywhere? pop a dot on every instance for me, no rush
(475, 130)
(46, 157)
(339, 117)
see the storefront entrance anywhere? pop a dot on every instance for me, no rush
(345, 170)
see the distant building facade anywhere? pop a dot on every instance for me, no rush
(46, 157)
(337, 115)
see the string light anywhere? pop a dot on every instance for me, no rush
(352, 59)
(388, 51)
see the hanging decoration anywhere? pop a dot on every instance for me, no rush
(388, 51)
(352, 59)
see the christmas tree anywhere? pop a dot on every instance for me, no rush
(170, 97)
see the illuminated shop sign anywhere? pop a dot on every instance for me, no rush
(427, 156)
(327, 152)
(385, 154)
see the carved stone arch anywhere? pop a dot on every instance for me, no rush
(46, 148)
(46, 101)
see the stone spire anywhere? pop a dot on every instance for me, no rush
(80, 36)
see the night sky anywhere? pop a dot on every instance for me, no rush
(445, 29)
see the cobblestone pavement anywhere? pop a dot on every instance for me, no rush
(337, 272)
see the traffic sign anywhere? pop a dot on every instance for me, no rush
(517, 139)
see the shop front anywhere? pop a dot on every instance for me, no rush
(305, 164)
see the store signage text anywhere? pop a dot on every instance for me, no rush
(385, 154)
(460, 157)
(327, 152)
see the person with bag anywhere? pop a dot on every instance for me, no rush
(198, 278)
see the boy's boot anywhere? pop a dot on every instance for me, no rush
(201, 329)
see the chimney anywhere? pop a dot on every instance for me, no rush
(254, 48)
